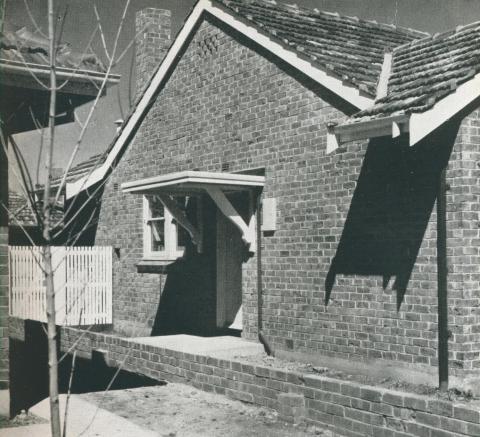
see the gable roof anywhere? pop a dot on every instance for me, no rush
(427, 70)
(343, 54)
(79, 170)
(347, 47)
(431, 80)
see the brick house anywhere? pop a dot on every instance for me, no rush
(279, 175)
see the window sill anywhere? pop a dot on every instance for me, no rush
(154, 265)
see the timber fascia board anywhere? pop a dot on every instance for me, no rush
(63, 73)
(347, 92)
(418, 125)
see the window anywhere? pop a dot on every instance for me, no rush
(163, 238)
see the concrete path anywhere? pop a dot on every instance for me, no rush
(85, 419)
(218, 347)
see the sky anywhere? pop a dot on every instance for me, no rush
(427, 15)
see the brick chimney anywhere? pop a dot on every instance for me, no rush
(152, 27)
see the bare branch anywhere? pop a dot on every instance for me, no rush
(78, 67)
(65, 417)
(102, 35)
(20, 224)
(130, 44)
(62, 24)
(32, 19)
(77, 119)
(27, 181)
(114, 377)
(85, 203)
(41, 131)
(92, 108)
(28, 68)
(21, 179)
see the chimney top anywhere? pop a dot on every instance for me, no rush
(153, 28)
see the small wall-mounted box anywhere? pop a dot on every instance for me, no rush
(269, 215)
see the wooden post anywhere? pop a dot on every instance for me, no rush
(442, 273)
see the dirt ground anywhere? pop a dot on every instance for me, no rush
(22, 419)
(177, 410)
(377, 381)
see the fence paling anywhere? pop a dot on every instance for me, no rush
(82, 278)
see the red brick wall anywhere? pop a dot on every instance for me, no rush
(464, 245)
(355, 228)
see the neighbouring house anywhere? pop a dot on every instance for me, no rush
(23, 67)
(22, 220)
(279, 175)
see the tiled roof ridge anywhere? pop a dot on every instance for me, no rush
(354, 19)
(439, 36)
(427, 70)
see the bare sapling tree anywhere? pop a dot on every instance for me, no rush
(43, 210)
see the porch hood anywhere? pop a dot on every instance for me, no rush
(214, 184)
(189, 182)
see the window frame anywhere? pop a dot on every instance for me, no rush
(171, 251)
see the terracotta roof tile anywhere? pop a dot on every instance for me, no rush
(81, 169)
(350, 48)
(21, 213)
(26, 47)
(427, 70)
(20, 210)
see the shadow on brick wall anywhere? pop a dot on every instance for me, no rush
(390, 210)
(187, 302)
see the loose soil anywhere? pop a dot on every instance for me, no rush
(390, 383)
(177, 410)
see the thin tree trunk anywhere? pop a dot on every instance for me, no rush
(51, 323)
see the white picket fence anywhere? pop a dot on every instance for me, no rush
(82, 283)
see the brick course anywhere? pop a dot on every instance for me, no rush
(356, 229)
(347, 408)
(152, 27)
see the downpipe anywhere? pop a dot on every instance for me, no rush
(261, 336)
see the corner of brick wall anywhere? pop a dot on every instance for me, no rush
(463, 227)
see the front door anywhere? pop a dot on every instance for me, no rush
(230, 252)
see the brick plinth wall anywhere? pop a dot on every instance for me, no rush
(350, 271)
(347, 408)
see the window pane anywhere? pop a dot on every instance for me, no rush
(158, 235)
(156, 221)
(156, 207)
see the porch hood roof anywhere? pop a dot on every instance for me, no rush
(193, 181)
